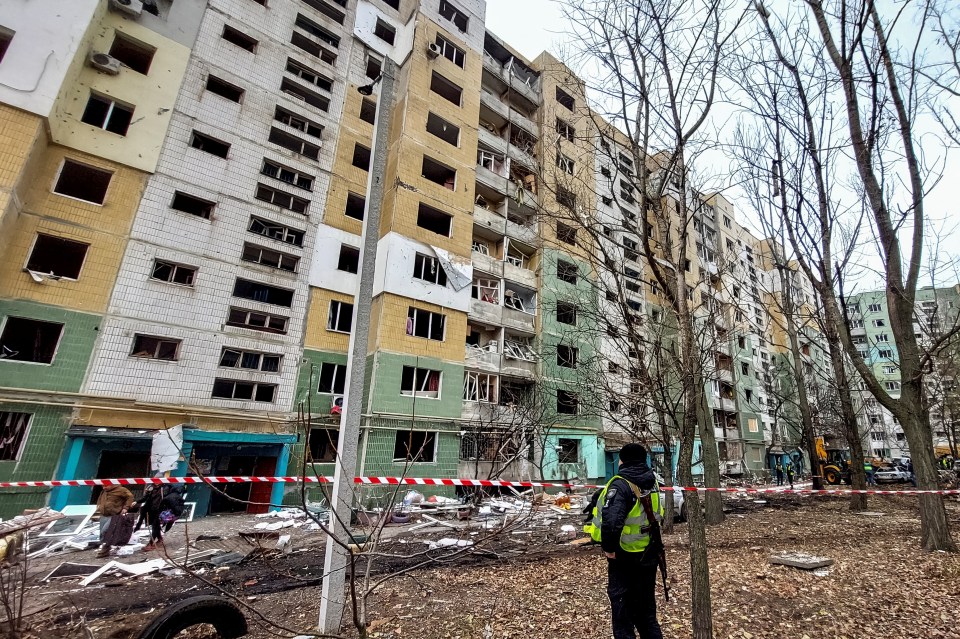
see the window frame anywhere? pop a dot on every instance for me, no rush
(160, 341)
(336, 318)
(58, 276)
(9, 418)
(334, 376)
(420, 263)
(85, 166)
(175, 267)
(431, 436)
(253, 394)
(456, 55)
(413, 313)
(5, 324)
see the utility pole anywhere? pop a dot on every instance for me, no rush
(336, 556)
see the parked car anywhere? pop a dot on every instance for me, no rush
(679, 507)
(892, 475)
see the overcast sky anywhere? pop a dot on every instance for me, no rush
(533, 26)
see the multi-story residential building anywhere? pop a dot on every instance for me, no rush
(86, 97)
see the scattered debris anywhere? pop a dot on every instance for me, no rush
(800, 560)
(448, 542)
(69, 569)
(136, 570)
(226, 559)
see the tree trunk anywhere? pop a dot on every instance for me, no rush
(669, 511)
(711, 458)
(701, 615)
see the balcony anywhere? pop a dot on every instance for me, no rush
(725, 375)
(486, 359)
(495, 182)
(521, 156)
(492, 140)
(727, 405)
(486, 312)
(523, 276)
(518, 368)
(524, 123)
(523, 197)
(488, 264)
(488, 219)
(518, 320)
(493, 109)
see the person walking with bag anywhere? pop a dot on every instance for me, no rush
(169, 510)
(113, 501)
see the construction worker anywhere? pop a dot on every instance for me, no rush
(626, 522)
(868, 471)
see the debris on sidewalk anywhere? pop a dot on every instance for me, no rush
(800, 560)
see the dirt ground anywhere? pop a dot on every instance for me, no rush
(526, 585)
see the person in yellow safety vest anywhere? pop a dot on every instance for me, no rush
(868, 471)
(626, 523)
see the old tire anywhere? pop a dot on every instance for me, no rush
(219, 612)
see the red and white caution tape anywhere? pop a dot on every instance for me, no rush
(424, 481)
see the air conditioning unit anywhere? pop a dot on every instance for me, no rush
(130, 7)
(105, 63)
(433, 50)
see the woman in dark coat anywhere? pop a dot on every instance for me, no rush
(171, 507)
(149, 505)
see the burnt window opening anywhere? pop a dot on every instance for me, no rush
(57, 256)
(566, 131)
(29, 340)
(276, 231)
(444, 130)
(107, 114)
(288, 175)
(384, 31)
(307, 45)
(567, 313)
(13, 426)
(257, 320)
(567, 356)
(566, 234)
(134, 55)
(250, 360)
(298, 122)
(566, 272)
(333, 378)
(192, 205)
(242, 390)
(439, 173)
(307, 74)
(314, 29)
(566, 198)
(568, 451)
(414, 446)
(269, 257)
(349, 260)
(239, 39)
(259, 292)
(340, 317)
(282, 199)
(355, 206)
(303, 94)
(82, 182)
(322, 7)
(368, 110)
(209, 144)
(445, 88)
(434, 220)
(565, 99)
(224, 89)
(374, 67)
(455, 15)
(152, 347)
(322, 443)
(173, 273)
(361, 157)
(567, 403)
(293, 143)
(426, 324)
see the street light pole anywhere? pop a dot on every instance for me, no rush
(336, 556)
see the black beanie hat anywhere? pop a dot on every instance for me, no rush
(633, 454)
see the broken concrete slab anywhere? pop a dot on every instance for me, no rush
(227, 559)
(800, 560)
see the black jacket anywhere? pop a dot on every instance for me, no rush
(174, 501)
(618, 503)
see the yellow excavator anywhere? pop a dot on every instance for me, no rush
(833, 463)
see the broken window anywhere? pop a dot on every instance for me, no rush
(415, 446)
(567, 132)
(29, 340)
(480, 387)
(13, 426)
(515, 347)
(439, 173)
(566, 234)
(314, 29)
(108, 114)
(82, 182)
(192, 205)
(445, 88)
(288, 175)
(224, 89)
(384, 31)
(485, 289)
(259, 292)
(303, 94)
(444, 130)
(334, 14)
(57, 256)
(428, 269)
(333, 378)
(564, 163)
(355, 206)
(293, 143)
(349, 259)
(568, 451)
(434, 220)
(269, 257)
(361, 157)
(298, 122)
(276, 231)
(250, 360)
(173, 273)
(567, 313)
(449, 11)
(451, 51)
(307, 74)
(566, 272)
(152, 347)
(567, 356)
(282, 199)
(134, 55)
(368, 110)
(567, 403)
(322, 443)
(6, 37)
(426, 324)
(210, 145)
(257, 320)
(374, 67)
(565, 99)
(307, 45)
(340, 317)
(242, 390)
(420, 382)
(239, 39)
